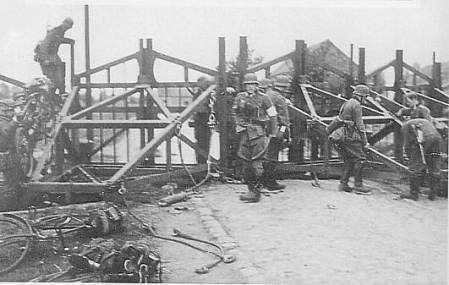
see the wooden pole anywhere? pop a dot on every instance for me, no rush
(296, 150)
(351, 66)
(398, 97)
(87, 65)
(361, 71)
(222, 106)
(242, 60)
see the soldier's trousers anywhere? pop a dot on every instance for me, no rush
(56, 73)
(433, 163)
(252, 154)
(353, 157)
(202, 134)
(11, 189)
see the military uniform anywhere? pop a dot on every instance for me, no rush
(276, 143)
(46, 53)
(252, 113)
(12, 173)
(202, 130)
(351, 149)
(431, 141)
(420, 111)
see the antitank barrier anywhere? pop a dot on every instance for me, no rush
(88, 130)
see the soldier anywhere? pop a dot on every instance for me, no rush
(200, 120)
(46, 53)
(415, 108)
(252, 112)
(422, 146)
(12, 173)
(350, 123)
(280, 103)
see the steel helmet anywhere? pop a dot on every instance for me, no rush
(361, 90)
(250, 78)
(282, 81)
(68, 22)
(265, 83)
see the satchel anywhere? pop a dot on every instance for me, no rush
(339, 135)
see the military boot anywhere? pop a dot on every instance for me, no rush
(272, 184)
(252, 196)
(344, 187)
(434, 187)
(414, 189)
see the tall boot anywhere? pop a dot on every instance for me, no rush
(414, 189)
(344, 178)
(434, 186)
(253, 194)
(358, 180)
(268, 179)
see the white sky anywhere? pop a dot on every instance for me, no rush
(190, 29)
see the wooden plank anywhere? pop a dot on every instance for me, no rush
(108, 65)
(12, 81)
(166, 133)
(334, 70)
(406, 90)
(138, 183)
(111, 124)
(386, 130)
(46, 151)
(106, 102)
(417, 72)
(442, 94)
(159, 103)
(322, 92)
(308, 101)
(265, 65)
(65, 187)
(380, 69)
(185, 63)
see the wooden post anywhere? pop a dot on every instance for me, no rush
(398, 97)
(351, 66)
(72, 65)
(299, 127)
(361, 71)
(151, 112)
(242, 62)
(437, 77)
(222, 106)
(89, 132)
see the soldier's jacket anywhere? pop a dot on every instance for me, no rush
(47, 49)
(351, 111)
(430, 134)
(7, 133)
(280, 104)
(420, 111)
(251, 111)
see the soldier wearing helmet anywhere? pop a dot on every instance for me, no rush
(201, 118)
(414, 109)
(349, 123)
(46, 53)
(253, 112)
(12, 173)
(422, 146)
(281, 83)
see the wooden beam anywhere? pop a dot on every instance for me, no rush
(334, 70)
(65, 187)
(380, 69)
(184, 63)
(12, 81)
(159, 103)
(106, 102)
(108, 65)
(195, 147)
(166, 133)
(50, 142)
(406, 90)
(417, 72)
(113, 124)
(361, 71)
(268, 64)
(386, 130)
(309, 102)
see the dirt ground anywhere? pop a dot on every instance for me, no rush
(305, 235)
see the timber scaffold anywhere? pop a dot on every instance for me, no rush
(85, 129)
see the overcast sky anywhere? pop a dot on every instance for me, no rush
(190, 29)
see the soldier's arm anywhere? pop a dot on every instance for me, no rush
(236, 117)
(358, 120)
(273, 115)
